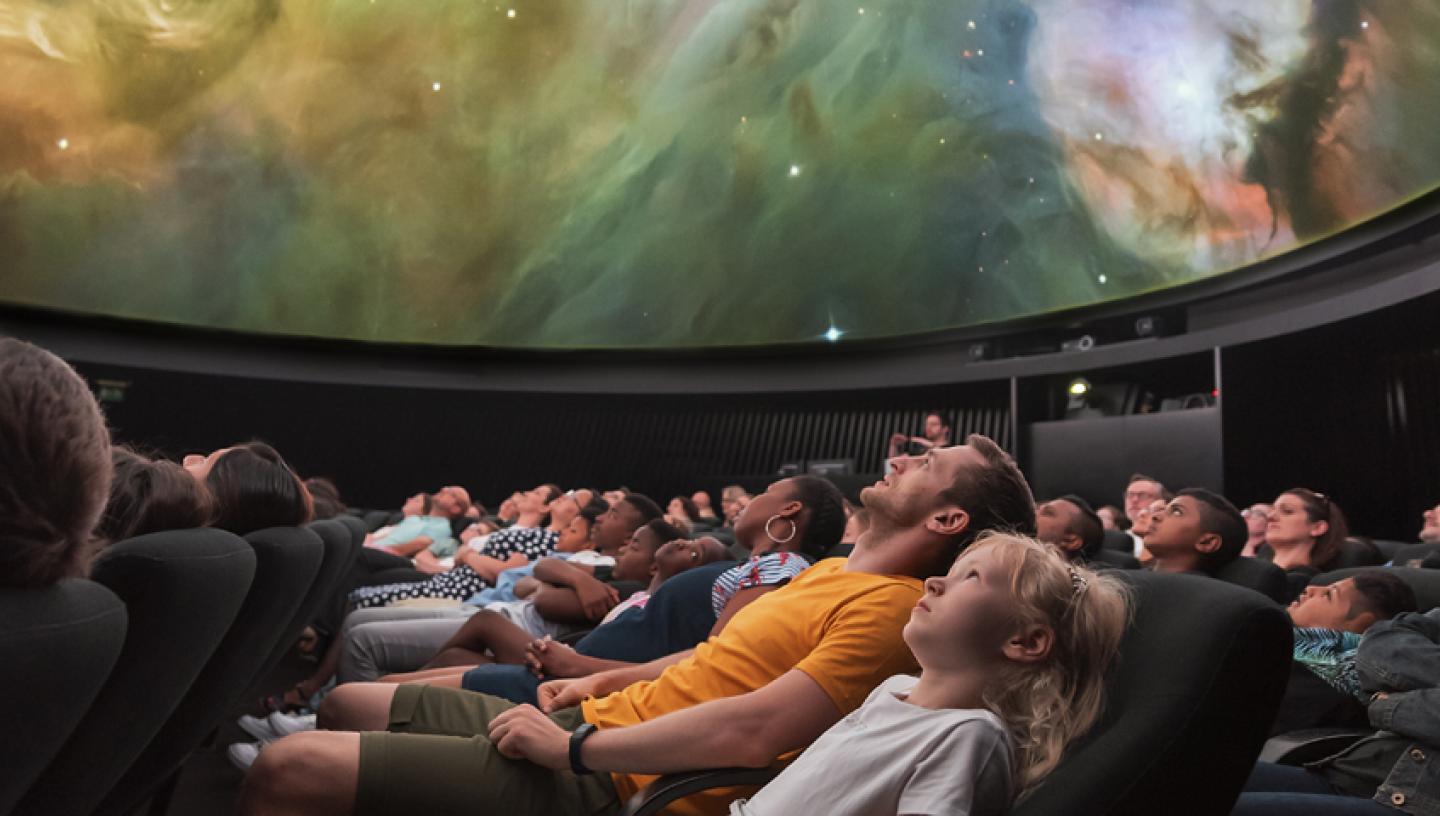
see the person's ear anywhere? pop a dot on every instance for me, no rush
(1361, 622)
(1071, 543)
(790, 509)
(1208, 543)
(1031, 644)
(1319, 528)
(948, 521)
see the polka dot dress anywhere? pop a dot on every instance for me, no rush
(461, 583)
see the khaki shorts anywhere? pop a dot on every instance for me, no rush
(436, 759)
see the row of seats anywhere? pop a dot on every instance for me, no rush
(1202, 668)
(1352, 552)
(114, 681)
(1201, 672)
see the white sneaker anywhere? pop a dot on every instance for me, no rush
(283, 725)
(242, 754)
(259, 728)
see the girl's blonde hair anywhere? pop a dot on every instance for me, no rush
(1047, 705)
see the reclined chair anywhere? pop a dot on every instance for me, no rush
(1253, 573)
(356, 526)
(1115, 559)
(1120, 541)
(1389, 548)
(1356, 552)
(58, 645)
(1414, 555)
(182, 590)
(375, 519)
(1200, 674)
(338, 549)
(287, 562)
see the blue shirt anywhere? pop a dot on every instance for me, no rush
(437, 529)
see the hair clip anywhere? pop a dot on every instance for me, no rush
(1077, 580)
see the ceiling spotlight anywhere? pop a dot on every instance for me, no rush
(1078, 387)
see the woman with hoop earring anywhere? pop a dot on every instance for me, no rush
(787, 528)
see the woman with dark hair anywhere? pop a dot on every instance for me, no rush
(1303, 535)
(152, 495)
(253, 488)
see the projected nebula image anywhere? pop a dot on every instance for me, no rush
(686, 173)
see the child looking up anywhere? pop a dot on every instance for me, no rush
(1013, 644)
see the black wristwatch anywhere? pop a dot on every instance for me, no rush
(577, 738)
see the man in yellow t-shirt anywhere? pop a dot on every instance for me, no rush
(781, 672)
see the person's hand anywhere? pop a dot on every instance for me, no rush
(546, 657)
(898, 439)
(596, 598)
(430, 566)
(558, 694)
(924, 443)
(524, 733)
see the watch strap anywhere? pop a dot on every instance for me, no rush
(577, 738)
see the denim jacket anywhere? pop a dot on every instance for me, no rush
(1401, 658)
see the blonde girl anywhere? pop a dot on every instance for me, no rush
(1013, 645)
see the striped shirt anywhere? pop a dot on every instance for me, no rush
(771, 569)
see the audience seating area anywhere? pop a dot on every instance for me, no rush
(1189, 626)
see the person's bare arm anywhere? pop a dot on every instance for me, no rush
(559, 604)
(578, 598)
(546, 657)
(750, 730)
(425, 561)
(739, 601)
(560, 572)
(409, 548)
(558, 694)
(525, 587)
(489, 567)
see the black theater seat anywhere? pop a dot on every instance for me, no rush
(1120, 541)
(339, 551)
(57, 646)
(1415, 555)
(286, 566)
(1261, 576)
(356, 526)
(1114, 559)
(182, 590)
(1200, 675)
(1358, 553)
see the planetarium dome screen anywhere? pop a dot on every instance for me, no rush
(686, 173)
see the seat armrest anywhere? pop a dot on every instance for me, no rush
(1308, 745)
(656, 796)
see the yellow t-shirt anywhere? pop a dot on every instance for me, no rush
(840, 628)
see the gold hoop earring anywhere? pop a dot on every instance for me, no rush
(794, 528)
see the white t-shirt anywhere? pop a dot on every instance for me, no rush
(890, 757)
